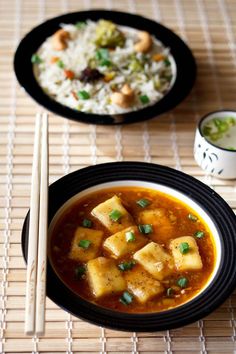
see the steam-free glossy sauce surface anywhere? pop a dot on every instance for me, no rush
(174, 220)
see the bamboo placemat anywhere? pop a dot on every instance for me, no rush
(209, 27)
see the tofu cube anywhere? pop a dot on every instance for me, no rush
(162, 222)
(190, 260)
(104, 277)
(118, 245)
(142, 285)
(102, 211)
(81, 254)
(155, 260)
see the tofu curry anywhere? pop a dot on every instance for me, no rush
(132, 250)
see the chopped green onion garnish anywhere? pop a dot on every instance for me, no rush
(143, 202)
(79, 271)
(126, 265)
(184, 247)
(199, 234)
(144, 99)
(87, 223)
(35, 59)
(130, 236)
(84, 95)
(170, 292)
(167, 62)
(145, 229)
(221, 125)
(215, 136)
(126, 298)
(60, 64)
(182, 282)
(192, 217)
(80, 24)
(231, 121)
(84, 243)
(115, 215)
(206, 130)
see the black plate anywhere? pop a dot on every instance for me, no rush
(217, 209)
(186, 67)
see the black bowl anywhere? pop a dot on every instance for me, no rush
(185, 64)
(217, 210)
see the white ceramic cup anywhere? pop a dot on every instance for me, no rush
(214, 160)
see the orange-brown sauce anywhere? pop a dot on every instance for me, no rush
(63, 232)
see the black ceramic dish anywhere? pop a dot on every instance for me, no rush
(185, 63)
(216, 208)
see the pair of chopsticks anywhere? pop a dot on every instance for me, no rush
(38, 226)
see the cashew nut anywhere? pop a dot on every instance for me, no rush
(127, 90)
(59, 39)
(145, 42)
(123, 98)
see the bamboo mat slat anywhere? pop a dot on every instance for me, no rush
(209, 27)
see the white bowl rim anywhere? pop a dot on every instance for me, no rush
(170, 192)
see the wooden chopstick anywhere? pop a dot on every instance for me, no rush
(33, 235)
(43, 227)
(37, 241)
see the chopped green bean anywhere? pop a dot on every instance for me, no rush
(144, 99)
(80, 24)
(84, 95)
(60, 64)
(35, 59)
